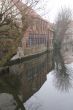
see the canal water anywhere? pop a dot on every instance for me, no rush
(51, 91)
(55, 94)
(32, 73)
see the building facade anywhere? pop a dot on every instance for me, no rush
(39, 32)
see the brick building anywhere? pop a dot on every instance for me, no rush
(39, 32)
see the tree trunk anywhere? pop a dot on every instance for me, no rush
(19, 102)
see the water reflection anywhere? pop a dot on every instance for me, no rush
(63, 81)
(55, 94)
(33, 74)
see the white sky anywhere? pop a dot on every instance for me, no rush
(52, 7)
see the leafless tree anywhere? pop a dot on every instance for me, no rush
(61, 30)
(14, 20)
(9, 30)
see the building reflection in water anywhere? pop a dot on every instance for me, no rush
(33, 74)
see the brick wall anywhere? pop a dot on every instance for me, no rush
(40, 28)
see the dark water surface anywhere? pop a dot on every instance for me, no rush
(32, 74)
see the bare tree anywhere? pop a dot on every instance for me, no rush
(15, 18)
(9, 30)
(62, 26)
(61, 31)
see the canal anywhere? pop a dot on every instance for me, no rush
(32, 71)
(41, 89)
(55, 94)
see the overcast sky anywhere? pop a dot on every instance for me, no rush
(52, 7)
